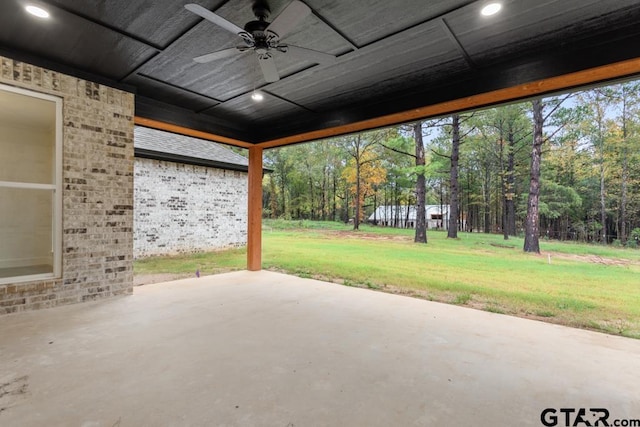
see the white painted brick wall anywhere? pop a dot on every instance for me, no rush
(182, 208)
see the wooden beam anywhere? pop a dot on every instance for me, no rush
(527, 90)
(142, 121)
(254, 228)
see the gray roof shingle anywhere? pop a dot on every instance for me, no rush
(173, 147)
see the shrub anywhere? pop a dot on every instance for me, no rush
(634, 238)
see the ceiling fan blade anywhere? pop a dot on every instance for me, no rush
(216, 55)
(212, 17)
(268, 67)
(313, 55)
(289, 18)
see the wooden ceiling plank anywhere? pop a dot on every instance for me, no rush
(431, 19)
(134, 71)
(456, 43)
(179, 88)
(335, 29)
(178, 36)
(523, 91)
(102, 24)
(288, 101)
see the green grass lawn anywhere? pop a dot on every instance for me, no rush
(579, 285)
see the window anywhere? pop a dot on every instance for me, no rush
(30, 185)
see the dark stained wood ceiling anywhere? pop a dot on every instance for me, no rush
(392, 55)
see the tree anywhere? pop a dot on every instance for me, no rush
(565, 162)
(515, 133)
(452, 232)
(399, 145)
(451, 140)
(626, 94)
(421, 188)
(279, 161)
(597, 101)
(471, 180)
(364, 169)
(557, 200)
(504, 132)
(532, 225)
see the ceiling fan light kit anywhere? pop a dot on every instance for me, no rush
(263, 37)
(491, 9)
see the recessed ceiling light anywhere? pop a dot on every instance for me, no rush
(257, 96)
(37, 11)
(491, 9)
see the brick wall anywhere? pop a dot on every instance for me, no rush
(186, 209)
(97, 246)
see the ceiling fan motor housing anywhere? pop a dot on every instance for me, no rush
(254, 27)
(261, 39)
(261, 10)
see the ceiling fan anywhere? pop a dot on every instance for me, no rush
(263, 37)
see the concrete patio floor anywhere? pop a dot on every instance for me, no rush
(267, 349)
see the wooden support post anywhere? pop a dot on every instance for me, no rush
(254, 227)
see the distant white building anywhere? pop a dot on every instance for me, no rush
(404, 216)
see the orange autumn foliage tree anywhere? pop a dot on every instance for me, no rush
(363, 174)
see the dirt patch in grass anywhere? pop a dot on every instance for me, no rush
(592, 259)
(499, 245)
(370, 236)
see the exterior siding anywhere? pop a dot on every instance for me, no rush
(97, 246)
(184, 208)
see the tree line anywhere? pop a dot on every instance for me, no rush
(562, 167)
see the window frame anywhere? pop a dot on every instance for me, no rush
(55, 187)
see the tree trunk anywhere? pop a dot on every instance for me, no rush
(274, 198)
(623, 199)
(600, 146)
(532, 224)
(603, 203)
(385, 203)
(283, 190)
(334, 210)
(452, 233)
(421, 187)
(346, 206)
(356, 216)
(625, 174)
(487, 200)
(406, 217)
(311, 194)
(442, 217)
(510, 214)
(498, 210)
(468, 225)
(323, 200)
(503, 185)
(396, 216)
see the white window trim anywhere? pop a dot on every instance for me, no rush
(28, 185)
(56, 238)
